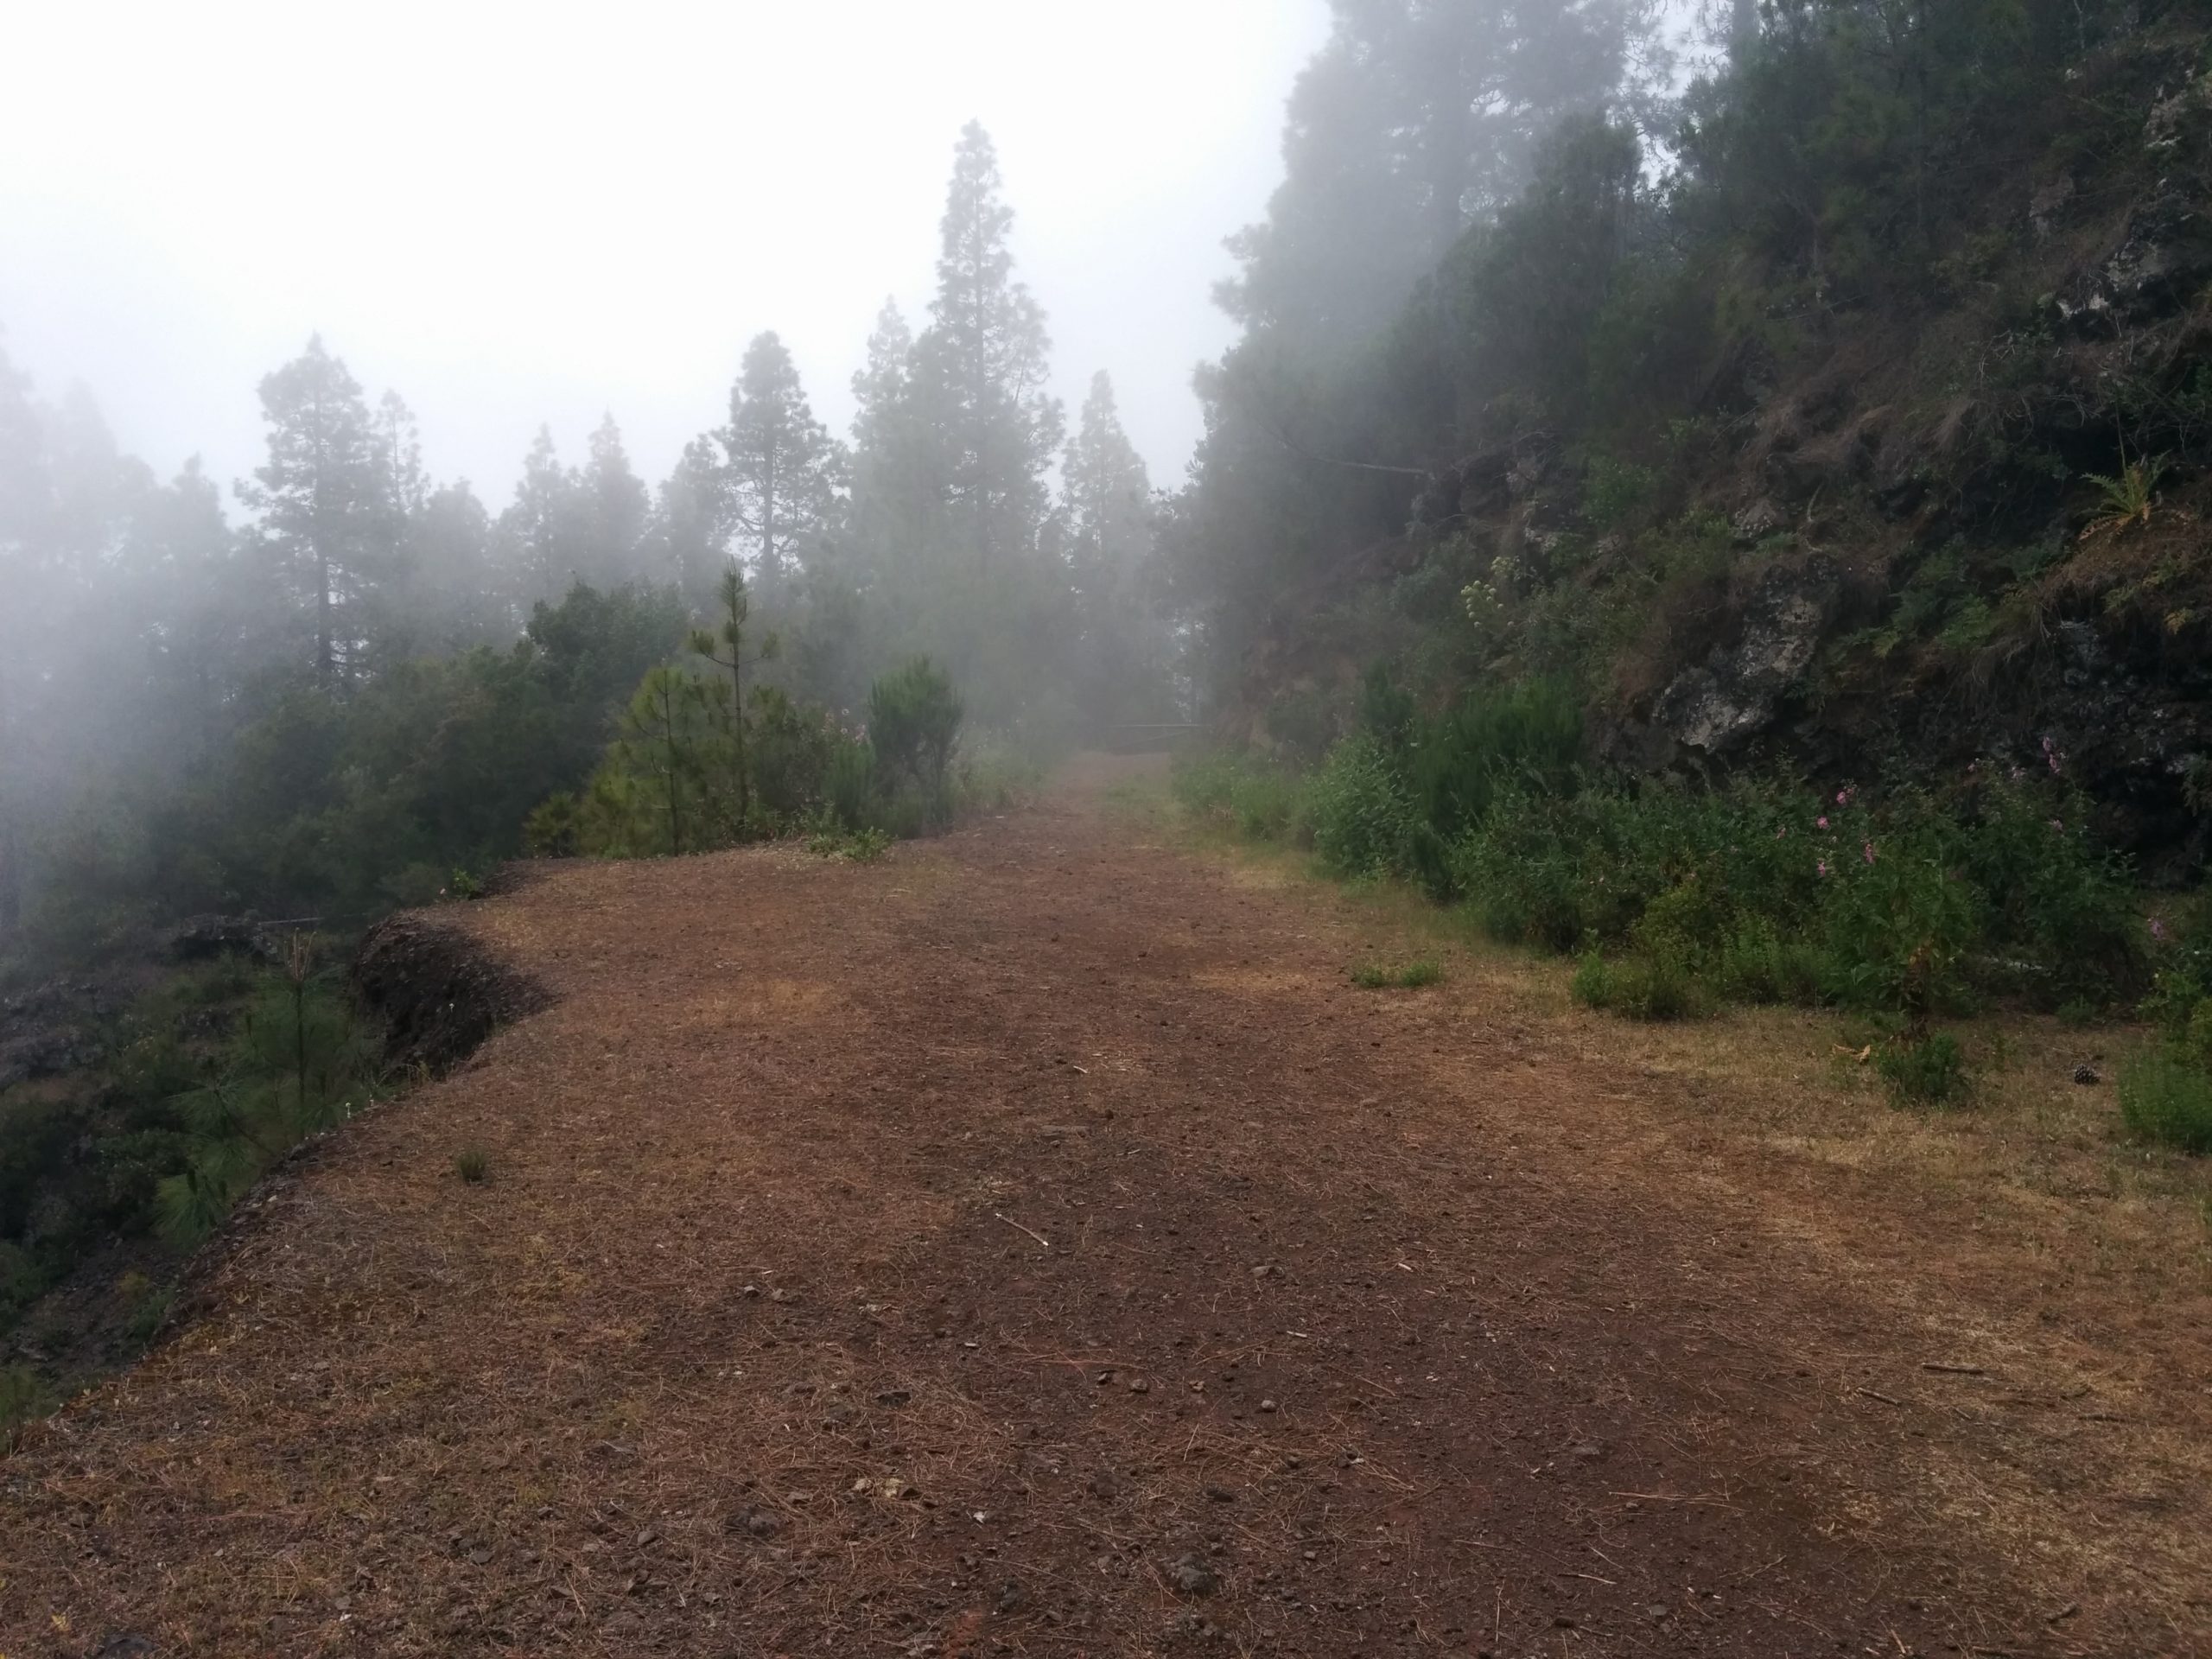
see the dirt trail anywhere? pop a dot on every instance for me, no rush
(1031, 1244)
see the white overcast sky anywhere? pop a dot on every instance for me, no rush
(518, 214)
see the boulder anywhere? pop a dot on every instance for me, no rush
(1733, 695)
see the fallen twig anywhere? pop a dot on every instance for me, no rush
(1019, 1228)
(1872, 1394)
(1952, 1370)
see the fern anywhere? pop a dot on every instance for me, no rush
(2127, 499)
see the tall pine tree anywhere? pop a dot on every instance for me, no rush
(537, 531)
(613, 505)
(783, 466)
(982, 367)
(325, 498)
(1122, 664)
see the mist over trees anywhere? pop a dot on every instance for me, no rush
(1503, 231)
(359, 679)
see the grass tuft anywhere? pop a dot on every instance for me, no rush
(2165, 1100)
(473, 1164)
(23, 1400)
(1374, 976)
(1929, 1071)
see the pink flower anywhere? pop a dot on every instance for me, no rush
(1843, 797)
(2158, 929)
(1824, 823)
(1869, 852)
(2059, 825)
(1824, 867)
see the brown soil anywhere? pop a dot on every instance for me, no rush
(1032, 1244)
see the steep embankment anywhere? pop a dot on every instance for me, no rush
(1928, 482)
(1031, 1244)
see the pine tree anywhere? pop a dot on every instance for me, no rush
(1420, 118)
(896, 496)
(538, 532)
(1122, 665)
(1108, 500)
(612, 503)
(687, 537)
(656, 777)
(399, 449)
(784, 467)
(735, 611)
(883, 388)
(982, 366)
(328, 513)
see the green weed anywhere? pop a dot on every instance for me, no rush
(1925, 1070)
(2166, 1099)
(855, 847)
(1375, 976)
(23, 1400)
(473, 1164)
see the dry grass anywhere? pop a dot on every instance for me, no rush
(2027, 1235)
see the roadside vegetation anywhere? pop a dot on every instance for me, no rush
(111, 1175)
(1901, 906)
(1766, 573)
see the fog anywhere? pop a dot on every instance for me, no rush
(523, 214)
(430, 437)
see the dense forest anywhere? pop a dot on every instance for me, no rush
(1554, 378)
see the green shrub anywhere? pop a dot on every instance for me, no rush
(1660, 985)
(23, 1400)
(789, 748)
(1657, 985)
(1899, 924)
(2196, 1036)
(149, 1305)
(2166, 1099)
(1358, 811)
(1527, 736)
(555, 828)
(1593, 985)
(1925, 1070)
(473, 1164)
(849, 786)
(1760, 962)
(1258, 798)
(857, 847)
(1266, 804)
(914, 717)
(1615, 492)
(1375, 976)
(2054, 895)
(296, 1062)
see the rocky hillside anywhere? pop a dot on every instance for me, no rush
(1881, 459)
